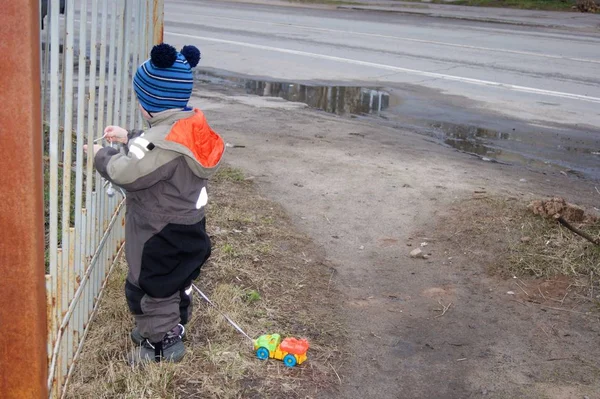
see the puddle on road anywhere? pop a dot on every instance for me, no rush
(471, 139)
(517, 147)
(338, 100)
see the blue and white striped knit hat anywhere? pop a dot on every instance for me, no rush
(165, 81)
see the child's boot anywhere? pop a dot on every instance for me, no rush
(170, 349)
(137, 338)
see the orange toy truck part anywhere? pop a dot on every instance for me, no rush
(294, 346)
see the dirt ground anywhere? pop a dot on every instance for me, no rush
(441, 327)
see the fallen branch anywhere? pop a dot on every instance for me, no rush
(518, 285)
(519, 302)
(562, 301)
(579, 232)
(564, 310)
(541, 293)
(336, 373)
(443, 310)
(329, 283)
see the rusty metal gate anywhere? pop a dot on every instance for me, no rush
(89, 52)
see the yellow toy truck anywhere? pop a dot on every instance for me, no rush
(291, 350)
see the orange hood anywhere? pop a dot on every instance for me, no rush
(195, 134)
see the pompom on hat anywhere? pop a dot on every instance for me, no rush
(165, 81)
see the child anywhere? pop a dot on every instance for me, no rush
(164, 171)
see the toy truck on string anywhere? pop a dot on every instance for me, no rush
(291, 351)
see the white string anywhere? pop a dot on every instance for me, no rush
(222, 314)
(100, 138)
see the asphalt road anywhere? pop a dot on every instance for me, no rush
(471, 72)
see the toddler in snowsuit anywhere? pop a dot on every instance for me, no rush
(164, 171)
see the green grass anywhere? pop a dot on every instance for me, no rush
(229, 174)
(252, 296)
(229, 250)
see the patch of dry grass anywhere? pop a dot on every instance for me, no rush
(265, 276)
(508, 237)
(545, 248)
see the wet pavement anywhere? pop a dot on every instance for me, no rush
(549, 148)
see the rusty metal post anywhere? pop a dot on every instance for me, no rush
(23, 364)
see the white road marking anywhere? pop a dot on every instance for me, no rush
(545, 126)
(433, 75)
(407, 39)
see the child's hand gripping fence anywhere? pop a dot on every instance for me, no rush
(110, 190)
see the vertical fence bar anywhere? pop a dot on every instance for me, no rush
(125, 89)
(113, 53)
(51, 321)
(120, 56)
(63, 38)
(111, 62)
(91, 118)
(108, 249)
(62, 355)
(68, 239)
(96, 197)
(53, 149)
(99, 264)
(105, 213)
(100, 211)
(53, 251)
(70, 285)
(72, 288)
(24, 369)
(79, 215)
(56, 386)
(140, 53)
(80, 307)
(149, 26)
(101, 111)
(102, 82)
(159, 13)
(45, 60)
(134, 56)
(105, 217)
(141, 48)
(84, 283)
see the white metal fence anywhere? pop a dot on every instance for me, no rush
(89, 50)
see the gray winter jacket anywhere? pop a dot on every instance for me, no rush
(164, 171)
